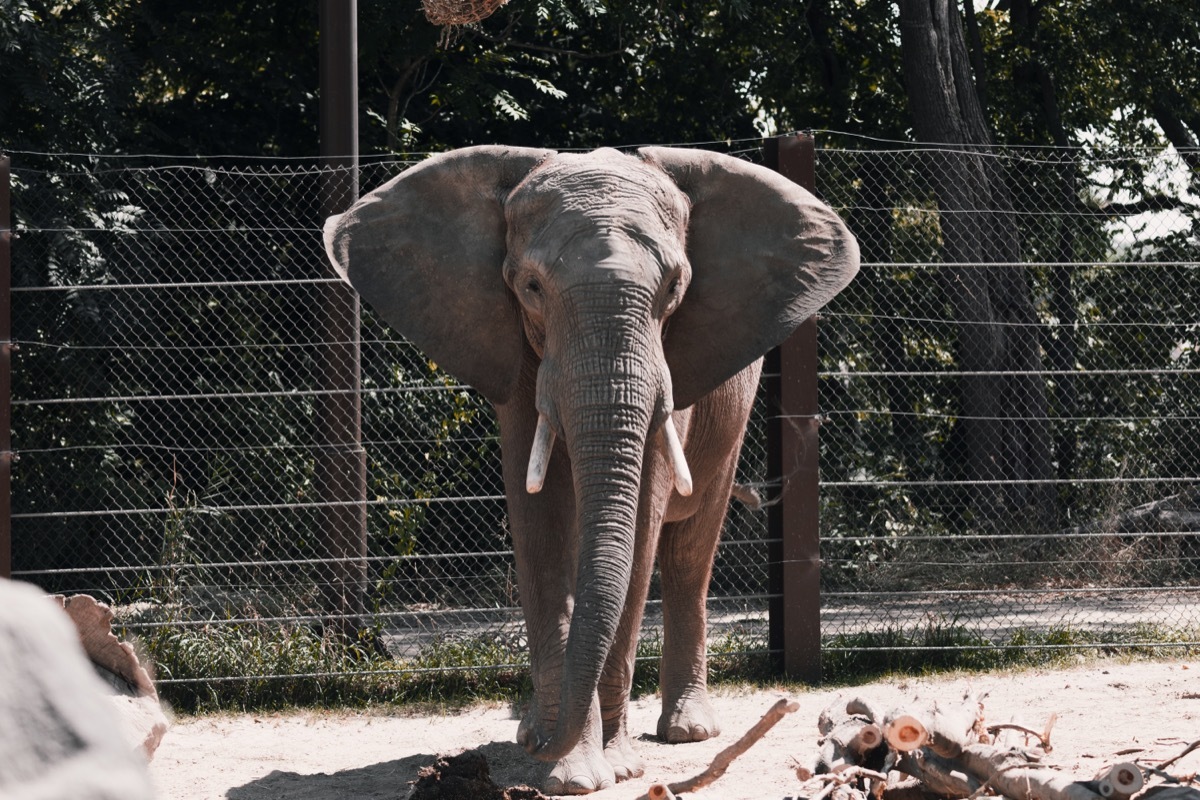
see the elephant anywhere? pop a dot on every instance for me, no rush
(614, 308)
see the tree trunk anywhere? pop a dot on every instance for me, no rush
(1002, 407)
(1062, 345)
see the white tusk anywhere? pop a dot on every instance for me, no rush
(539, 455)
(683, 475)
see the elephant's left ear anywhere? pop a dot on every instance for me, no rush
(765, 255)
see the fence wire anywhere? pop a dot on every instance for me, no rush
(1008, 388)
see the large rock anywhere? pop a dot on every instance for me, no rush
(143, 722)
(60, 736)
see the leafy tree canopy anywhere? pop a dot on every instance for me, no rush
(184, 76)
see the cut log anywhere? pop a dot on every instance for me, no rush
(945, 729)
(1011, 773)
(857, 706)
(1120, 781)
(939, 776)
(848, 738)
(904, 732)
(660, 791)
(951, 728)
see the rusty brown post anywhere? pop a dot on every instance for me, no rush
(792, 420)
(6, 347)
(340, 475)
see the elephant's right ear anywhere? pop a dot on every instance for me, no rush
(425, 251)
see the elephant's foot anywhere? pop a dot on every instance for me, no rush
(625, 761)
(528, 725)
(583, 771)
(690, 718)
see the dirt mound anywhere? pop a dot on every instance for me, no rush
(465, 777)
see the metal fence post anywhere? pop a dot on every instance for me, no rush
(792, 420)
(341, 466)
(6, 347)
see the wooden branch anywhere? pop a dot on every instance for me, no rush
(747, 495)
(910, 789)
(723, 759)
(1153, 202)
(1193, 746)
(849, 783)
(506, 40)
(1043, 737)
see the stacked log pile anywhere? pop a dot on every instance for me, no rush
(947, 751)
(944, 752)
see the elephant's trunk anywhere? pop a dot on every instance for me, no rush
(606, 421)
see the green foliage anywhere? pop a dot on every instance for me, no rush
(186, 78)
(240, 667)
(941, 646)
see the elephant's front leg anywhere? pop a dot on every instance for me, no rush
(685, 562)
(545, 549)
(685, 559)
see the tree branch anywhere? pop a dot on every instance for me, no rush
(508, 42)
(1156, 202)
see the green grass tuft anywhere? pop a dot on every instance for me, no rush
(232, 667)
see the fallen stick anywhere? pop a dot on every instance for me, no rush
(910, 789)
(1194, 745)
(723, 759)
(838, 785)
(1043, 737)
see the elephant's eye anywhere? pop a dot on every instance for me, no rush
(673, 287)
(533, 287)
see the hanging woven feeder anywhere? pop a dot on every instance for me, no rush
(459, 12)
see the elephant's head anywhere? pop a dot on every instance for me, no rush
(635, 284)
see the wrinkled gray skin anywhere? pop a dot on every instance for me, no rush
(603, 297)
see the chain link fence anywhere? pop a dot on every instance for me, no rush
(170, 361)
(1010, 386)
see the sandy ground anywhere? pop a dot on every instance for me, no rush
(1103, 708)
